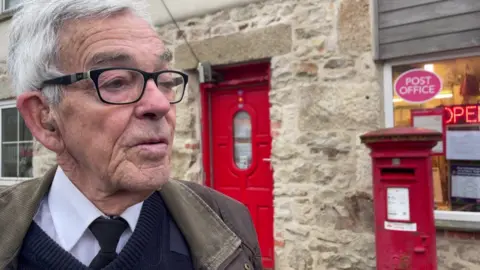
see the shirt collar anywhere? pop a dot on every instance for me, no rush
(72, 212)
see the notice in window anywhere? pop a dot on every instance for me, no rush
(463, 144)
(398, 204)
(465, 181)
(433, 122)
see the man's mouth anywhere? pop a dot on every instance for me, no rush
(153, 148)
(153, 141)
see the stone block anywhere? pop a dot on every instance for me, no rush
(313, 48)
(243, 13)
(338, 62)
(366, 68)
(363, 170)
(278, 97)
(185, 118)
(306, 69)
(301, 259)
(312, 16)
(225, 29)
(354, 27)
(218, 18)
(467, 252)
(240, 47)
(292, 190)
(339, 105)
(283, 150)
(286, 10)
(324, 173)
(298, 230)
(360, 215)
(312, 32)
(329, 142)
(195, 34)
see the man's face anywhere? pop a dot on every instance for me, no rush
(125, 147)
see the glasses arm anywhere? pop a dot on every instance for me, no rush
(68, 79)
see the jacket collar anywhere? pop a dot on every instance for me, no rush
(210, 240)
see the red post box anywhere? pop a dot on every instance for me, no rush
(403, 197)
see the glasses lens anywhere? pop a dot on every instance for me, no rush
(172, 85)
(120, 86)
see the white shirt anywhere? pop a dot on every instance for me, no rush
(65, 214)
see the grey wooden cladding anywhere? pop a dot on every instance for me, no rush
(387, 5)
(448, 42)
(427, 12)
(424, 29)
(416, 27)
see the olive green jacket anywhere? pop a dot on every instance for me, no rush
(218, 230)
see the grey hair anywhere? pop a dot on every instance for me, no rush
(34, 36)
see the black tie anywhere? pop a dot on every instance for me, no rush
(108, 232)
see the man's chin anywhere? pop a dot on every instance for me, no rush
(145, 178)
(144, 184)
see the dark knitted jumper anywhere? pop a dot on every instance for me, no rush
(156, 243)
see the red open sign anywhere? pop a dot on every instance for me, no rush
(462, 114)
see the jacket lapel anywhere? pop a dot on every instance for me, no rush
(210, 240)
(19, 204)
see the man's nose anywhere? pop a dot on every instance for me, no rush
(154, 104)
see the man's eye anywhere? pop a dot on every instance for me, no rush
(174, 82)
(168, 84)
(115, 83)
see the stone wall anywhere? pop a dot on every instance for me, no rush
(324, 93)
(457, 250)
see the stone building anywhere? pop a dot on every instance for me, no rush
(302, 79)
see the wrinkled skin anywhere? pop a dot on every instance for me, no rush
(96, 143)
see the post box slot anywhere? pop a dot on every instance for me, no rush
(409, 172)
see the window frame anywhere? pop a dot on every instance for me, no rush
(5, 181)
(457, 220)
(3, 8)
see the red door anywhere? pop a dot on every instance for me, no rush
(240, 147)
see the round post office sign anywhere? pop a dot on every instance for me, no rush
(418, 85)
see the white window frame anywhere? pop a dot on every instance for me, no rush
(443, 219)
(6, 181)
(3, 6)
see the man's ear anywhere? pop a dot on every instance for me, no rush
(39, 118)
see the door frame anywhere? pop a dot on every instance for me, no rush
(247, 74)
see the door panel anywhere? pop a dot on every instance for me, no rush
(241, 148)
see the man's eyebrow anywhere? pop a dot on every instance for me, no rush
(103, 58)
(108, 57)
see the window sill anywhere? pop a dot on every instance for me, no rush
(457, 221)
(7, 15)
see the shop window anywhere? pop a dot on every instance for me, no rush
(455, 111)
(242, 140)
(16, 145)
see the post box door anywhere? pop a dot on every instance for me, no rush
(404, 204)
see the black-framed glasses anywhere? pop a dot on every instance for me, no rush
(127, 85)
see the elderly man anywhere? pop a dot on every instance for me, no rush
(94, 86)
